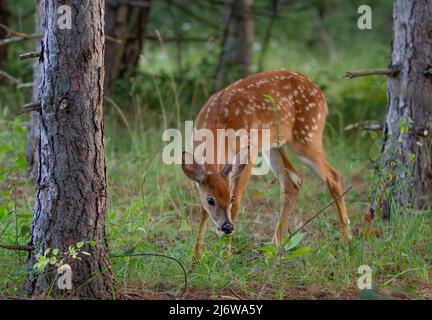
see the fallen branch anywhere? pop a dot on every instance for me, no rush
(184, 290)
(282, 246)
(391, 72)
(29, 55)
(16, 247)
(34, 106)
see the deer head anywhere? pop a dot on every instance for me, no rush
(216, 188)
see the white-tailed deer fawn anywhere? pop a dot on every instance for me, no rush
(294, 110)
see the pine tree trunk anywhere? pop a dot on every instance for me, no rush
(4, 18)
(71, 190)
(127, 24)
(32, 150)
(236, 54)
(407, 152)
(116, 25)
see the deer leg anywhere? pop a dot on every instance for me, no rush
(319, 165)
(290, 183)
(201, 233)
(238, 191)
(334, 184)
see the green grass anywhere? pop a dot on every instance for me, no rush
(152, 207)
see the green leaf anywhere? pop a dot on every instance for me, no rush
(25, 229)
(301, 251)
(294, 241)
(79, 244)
(269, 250)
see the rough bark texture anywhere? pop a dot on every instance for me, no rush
(32, 150)
(128, 24)
(4, 18)
(71, 190)
(408, 123)
(236, 54)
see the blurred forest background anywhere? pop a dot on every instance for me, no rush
(166, 59)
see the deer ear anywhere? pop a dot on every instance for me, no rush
(237, 165)
(191, 168)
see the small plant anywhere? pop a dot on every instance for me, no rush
(52, 256)
(289, 249)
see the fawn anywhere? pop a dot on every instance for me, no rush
(294, 110)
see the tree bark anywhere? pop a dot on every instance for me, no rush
(71, 189)
(236, 53)
(407, 151)
(32, 149)
(127, 24)
(4, 18)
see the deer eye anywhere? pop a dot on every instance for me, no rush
(211, 202)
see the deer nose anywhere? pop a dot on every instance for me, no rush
(227, 228)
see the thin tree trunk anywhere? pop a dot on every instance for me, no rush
(71, 190)
(267, 36)
(4, 18)
(236, 52)
(319, 13)
(135, 40)
(407, 151)
(127, 24)
(32, 150)
(116, 24)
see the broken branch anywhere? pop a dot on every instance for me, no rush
(34, 106)
(29, 55)
(14, 81)
(112, 39)
(391, 72)
(365, 126)
(9, 78)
